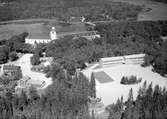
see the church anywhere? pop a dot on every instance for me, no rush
(41, 38)
(33, 41)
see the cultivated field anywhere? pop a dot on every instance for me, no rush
(109, 92)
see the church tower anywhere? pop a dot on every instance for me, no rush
(53, 34)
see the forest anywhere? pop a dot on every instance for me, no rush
(66, 98)
(65, 9)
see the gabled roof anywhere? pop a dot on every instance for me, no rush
(135, 56)
(11, 67)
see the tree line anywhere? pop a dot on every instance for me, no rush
(150, 103)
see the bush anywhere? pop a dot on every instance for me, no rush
(130, 80)
(13, 56)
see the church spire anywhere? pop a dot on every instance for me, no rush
(53, 34)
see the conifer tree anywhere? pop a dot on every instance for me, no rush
(93, 86)
(130, 96)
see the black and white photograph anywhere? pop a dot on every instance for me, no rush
(83, 59)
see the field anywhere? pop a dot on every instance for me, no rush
(152, 11)
(109, 92)
(102, 77)
(37, 30)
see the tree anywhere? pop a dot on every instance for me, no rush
(130, 97)
(35, 60)
(39, 49)
(93, 86)
(4, 51)
(148, 59)
(13, 56)
(22, 100)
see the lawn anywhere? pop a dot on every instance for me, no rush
(102, 77)
(37, 30)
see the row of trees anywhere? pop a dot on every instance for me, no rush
(150, 103)
(130, 80)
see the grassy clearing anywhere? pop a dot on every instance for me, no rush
(102, 77)
(37, 30)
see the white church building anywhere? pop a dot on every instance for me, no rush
(33, 41)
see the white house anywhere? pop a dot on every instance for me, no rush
(33, 41)
(134, 59)
(111, 61)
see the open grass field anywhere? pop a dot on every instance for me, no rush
(152, 11)
(103, 77)
(37, 30)
(109, 92)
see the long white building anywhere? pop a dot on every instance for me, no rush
(127, 59)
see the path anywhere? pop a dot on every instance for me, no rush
(25, 64)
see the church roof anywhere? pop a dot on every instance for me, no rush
(39, 36)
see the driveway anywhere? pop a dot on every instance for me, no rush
(25, 64)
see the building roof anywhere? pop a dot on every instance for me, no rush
(11, 67)
(46, 35)
(134, 56)
(111, 58)
(122, 57)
